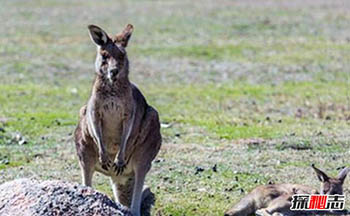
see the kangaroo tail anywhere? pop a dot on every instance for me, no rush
(245, 207)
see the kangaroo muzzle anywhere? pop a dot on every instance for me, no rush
(111, 73)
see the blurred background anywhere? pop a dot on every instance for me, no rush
(248, 91)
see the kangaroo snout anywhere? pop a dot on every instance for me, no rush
(113, 71)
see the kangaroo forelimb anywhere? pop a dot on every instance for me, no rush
(95, 128)
(127, 128)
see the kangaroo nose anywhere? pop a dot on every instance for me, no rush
(114, 71)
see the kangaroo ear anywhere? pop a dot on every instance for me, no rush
(124, 36)
(97, 35)
(320, 174)
(342, 174)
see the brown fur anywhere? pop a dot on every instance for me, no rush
(115, 106)
(276, 199)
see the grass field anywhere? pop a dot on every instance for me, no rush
(258, 89)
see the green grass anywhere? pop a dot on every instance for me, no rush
(260, 90)
(223, 109)
(282, 52)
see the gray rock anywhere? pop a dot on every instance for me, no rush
(32, 197)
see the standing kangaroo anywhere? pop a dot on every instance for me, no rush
(275, 199)
(117, 124)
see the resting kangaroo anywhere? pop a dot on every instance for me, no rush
(275, 199)
(117, 124)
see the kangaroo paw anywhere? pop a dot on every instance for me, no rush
(119, 167)
(105, 162)
(262, 212)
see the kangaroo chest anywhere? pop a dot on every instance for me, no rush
(113, 114)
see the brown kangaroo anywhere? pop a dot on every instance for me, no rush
(275, 199)
(117, 124)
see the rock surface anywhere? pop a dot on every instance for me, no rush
(32, 197)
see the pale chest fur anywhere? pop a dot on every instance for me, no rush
(112, 117)
(114, 112)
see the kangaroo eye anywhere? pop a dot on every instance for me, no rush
(104, 55)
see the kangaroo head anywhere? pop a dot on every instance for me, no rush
(330, 185)
(111, 59)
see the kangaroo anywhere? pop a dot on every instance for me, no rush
(275, 199)
(118, 133)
